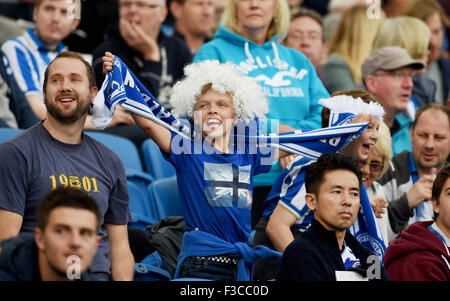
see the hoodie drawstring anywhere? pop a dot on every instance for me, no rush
(278, 63)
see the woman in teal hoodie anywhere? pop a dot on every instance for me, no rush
(248, 36)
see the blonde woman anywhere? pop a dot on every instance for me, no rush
(413, 35)
(376, 165)
(348, 47)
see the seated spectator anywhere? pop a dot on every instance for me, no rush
(413, 35)
(422, 252)
(327, 251)
(194, 21)
(285, 214)
(55, 152)
(64, 241)
(376, 165)
(408, 181)
(306, 35)
(348, 47)
(30, 54)
(438, 67)
(387, 74)
(15, 112)
(157, 60)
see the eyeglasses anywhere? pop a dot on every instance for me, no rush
(139, 5)
(374, 166)
(312, 36)
(397, 74)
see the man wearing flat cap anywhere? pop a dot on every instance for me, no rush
(387, 74)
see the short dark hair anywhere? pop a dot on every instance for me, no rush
(430, 106)
(300, 12)
(438, 184)
(365, 95)
(65, 197)
(70, 54)
(314, 174)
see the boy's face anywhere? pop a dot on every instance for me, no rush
(215, 114)
(360, 148)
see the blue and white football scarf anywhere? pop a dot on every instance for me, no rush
(122, 87)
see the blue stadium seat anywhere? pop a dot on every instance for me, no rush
(129, 154)
(139, 207)
(6, 133)
(154, 162)
(123, 147)
(164, 198)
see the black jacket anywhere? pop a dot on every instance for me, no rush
(157, 77)
(315, 256)
(19, 260)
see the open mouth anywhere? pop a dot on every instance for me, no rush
(213, 122)
(66, 99)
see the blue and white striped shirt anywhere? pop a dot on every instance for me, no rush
(29, 58)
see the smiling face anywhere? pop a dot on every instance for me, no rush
(68, 94)
(360, 148)
(371, 169)
(430, 140)
(336, 204)
(69, 232)
(216, 114)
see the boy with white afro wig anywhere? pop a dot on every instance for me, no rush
(215, 188)
(249, 100)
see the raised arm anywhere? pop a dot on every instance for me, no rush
(158, 133)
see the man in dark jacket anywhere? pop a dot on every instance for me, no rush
(422, 252)
(327, 251)
(63, 243)
(156, 59)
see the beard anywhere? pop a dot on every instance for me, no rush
(68, 117)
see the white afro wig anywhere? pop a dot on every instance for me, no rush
(249, 100)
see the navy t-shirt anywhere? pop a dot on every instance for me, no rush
(33, 163)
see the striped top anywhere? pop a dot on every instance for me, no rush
(29, 58)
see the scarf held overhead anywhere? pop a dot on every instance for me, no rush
(122, 87)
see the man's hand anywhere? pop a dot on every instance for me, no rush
(137, 39)
(421, 191)
(378, 205)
